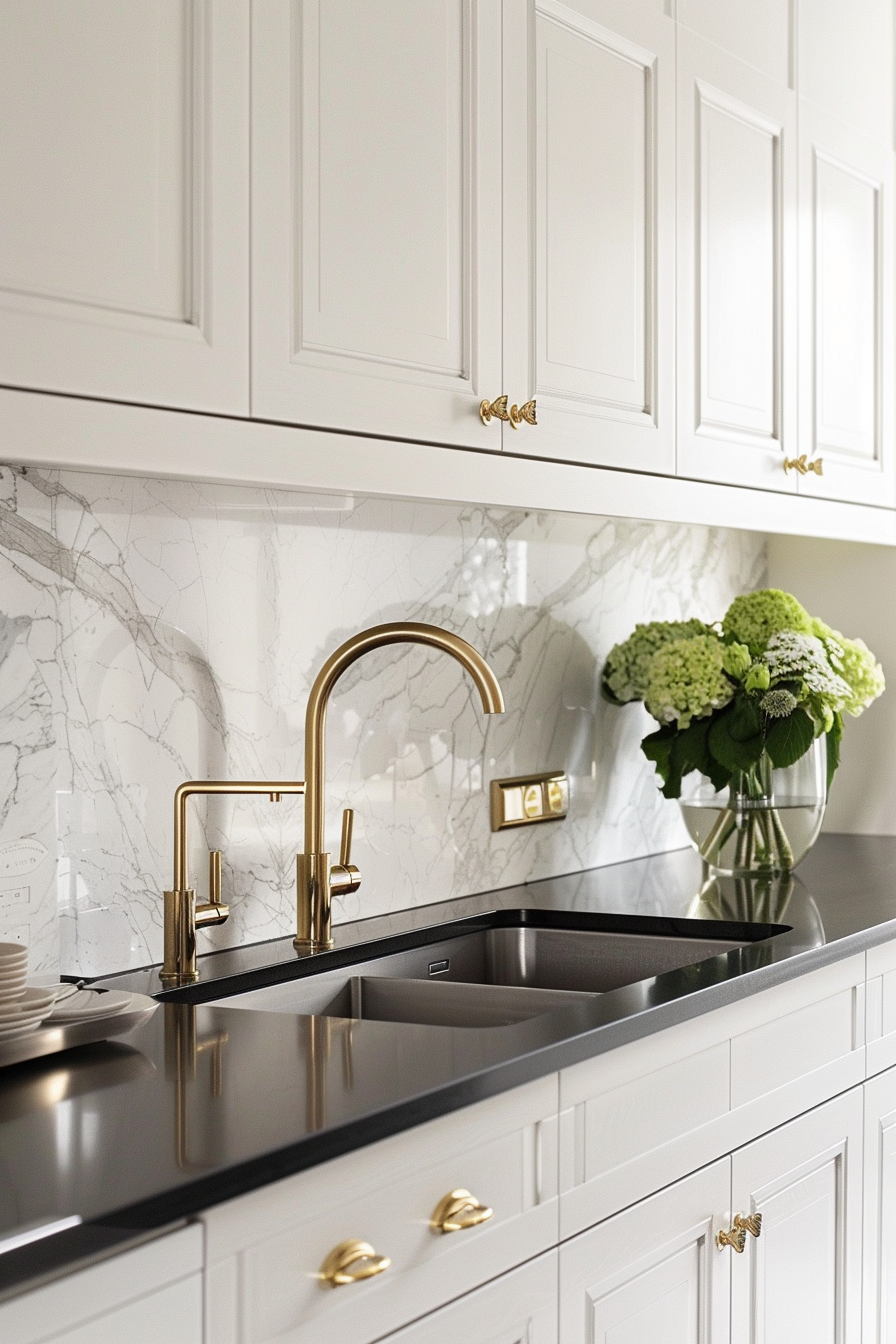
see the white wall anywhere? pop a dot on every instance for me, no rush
(853, 588)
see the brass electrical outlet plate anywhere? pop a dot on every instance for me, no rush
(528, 799)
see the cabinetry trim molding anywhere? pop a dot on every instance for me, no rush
(74, 433)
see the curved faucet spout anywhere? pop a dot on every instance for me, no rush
(315, 884)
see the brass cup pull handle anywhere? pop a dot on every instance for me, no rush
(520, 414)
(459, 1210)
(350, 1262)
(496, 409)
(736, 1236)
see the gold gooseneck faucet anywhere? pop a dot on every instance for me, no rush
(317, 881)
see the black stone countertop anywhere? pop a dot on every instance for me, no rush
(204, 1103)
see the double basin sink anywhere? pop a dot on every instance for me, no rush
(517, 965)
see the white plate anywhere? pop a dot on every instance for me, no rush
(32, 1001)
(89, 1003)
(8, 993)
(8, 1033)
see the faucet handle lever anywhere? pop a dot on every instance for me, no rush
(345, 845)
(344, 876)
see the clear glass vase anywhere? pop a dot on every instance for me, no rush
(765, 821)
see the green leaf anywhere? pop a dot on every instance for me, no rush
(744, 719)
(657, 747)
(691, 750)
(834, 737)
(789, 739)
(734, 753)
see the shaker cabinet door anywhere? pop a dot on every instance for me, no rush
(800, 1281)
(377, 216)
(879, 1305)
(517, 1308)
(737, 316)
(589, 182)
(846, 317)
(652, 1272)
(124, 217)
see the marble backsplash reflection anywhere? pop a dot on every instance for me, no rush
(155, 631)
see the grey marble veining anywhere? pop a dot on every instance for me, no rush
(154, 631)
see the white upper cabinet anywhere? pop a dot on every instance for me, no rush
(759, 33)
(846, 62)
(846, 301)
(589, 117)
(377, 216)
(737, 347)
(124, 213)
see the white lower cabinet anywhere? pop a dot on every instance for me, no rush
(150, 1293)
(879, 1304)
(800, 1281)
(653, 1272)
(517, 1308)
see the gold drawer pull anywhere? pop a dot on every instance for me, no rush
(457, 1211)
(350, 1262)
(519, 414)
(803, 467)
(496, 408)
(736, 1236)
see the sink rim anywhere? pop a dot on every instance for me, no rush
(305, 964)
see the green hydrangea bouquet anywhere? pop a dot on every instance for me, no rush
(737, 700)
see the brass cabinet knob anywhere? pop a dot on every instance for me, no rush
(801, 465)
(350, 1262)
(496, 409)
(736, 1236)
(518, 414)
(457, 1211)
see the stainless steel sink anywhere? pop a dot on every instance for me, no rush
(488, 978)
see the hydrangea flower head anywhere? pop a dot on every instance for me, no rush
(627, 669)
(687, 680)
(862, 673)
(797, 657)
(754, 618)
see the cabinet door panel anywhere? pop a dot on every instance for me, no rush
(588, 221)
(759, 33)
(377, 208)
(800, 1281)
(737, 272)
(846, 62)
(846, 295)
(124, 245)
(518, 1308)
(652, 1272)
(879, 1313)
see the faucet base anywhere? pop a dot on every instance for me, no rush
(309, 945)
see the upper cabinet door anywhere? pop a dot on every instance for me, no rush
(124, 213)
(377, 216)
(737, 315)
(589, 117)
(846, 311)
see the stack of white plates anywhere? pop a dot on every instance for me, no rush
(86, 1004)
(13, 971)
(20, 1016)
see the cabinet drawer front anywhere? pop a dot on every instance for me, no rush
(386, 1196)
(130, 1297)
(796, 1044)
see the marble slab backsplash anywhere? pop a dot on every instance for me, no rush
(155, 631)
